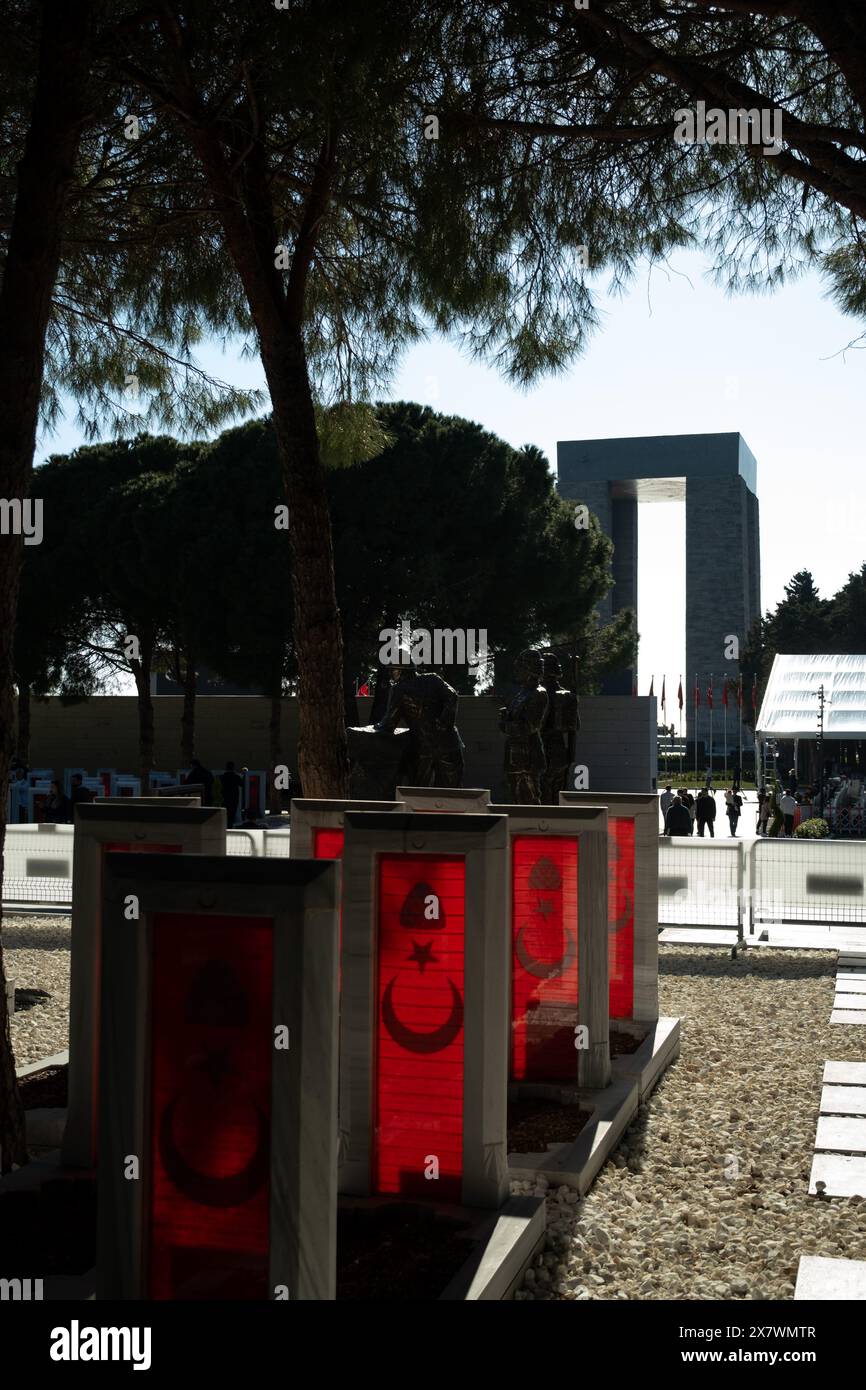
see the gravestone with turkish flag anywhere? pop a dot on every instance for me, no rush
(633, 895)
(557, 921)
(218, 1136)
(424, 1007)
(103, 828)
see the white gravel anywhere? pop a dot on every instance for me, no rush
(36, 955)
(706, 1195)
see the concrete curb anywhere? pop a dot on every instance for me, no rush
(513, 1237)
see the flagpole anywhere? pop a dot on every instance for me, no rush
(680, 715)
(740, 710)
(711, 726)
(697, 698)
(725, 703)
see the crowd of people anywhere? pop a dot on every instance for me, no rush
(684, 813)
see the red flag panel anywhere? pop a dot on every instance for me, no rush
(211, 1050)
(544, 920)
(328, 844)
(621, 915)
(419, 1031)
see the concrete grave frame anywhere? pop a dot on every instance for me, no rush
(150, 801)
(642, 808)
(195, 830)
(300, 897)
(454, 799)
(481, 841)
(309, 814)
(588, 825)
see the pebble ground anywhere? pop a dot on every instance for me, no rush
(706, 1196)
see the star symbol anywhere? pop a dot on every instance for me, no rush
(422, 954)
(545, 906)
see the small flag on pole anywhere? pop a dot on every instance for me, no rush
(664, 698)
(725, 691)
(652, 684)
(740, 690)
(710, 694)
(754, 692)
(680, 695)
(697, 693)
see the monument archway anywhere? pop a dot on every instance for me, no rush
(716, 476)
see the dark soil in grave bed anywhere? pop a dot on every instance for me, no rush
(397, 1252)
(44, 1088)
(623, 1044)
(535, 1124)
(50, 1231)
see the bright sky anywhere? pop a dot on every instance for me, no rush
(676, 356)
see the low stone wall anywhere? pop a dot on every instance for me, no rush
(617, 739)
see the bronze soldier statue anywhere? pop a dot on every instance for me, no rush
(558, 733)
(521, 722)
(426, 705)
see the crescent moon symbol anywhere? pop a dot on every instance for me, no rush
(544, 970)
(423, 1042)
(201, 1187)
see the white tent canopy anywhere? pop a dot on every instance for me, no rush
(789, 708)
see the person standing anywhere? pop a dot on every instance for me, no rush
(79, 794)
(691, 806)
(232, 785)
(705, 813)
(199, 776)
(666, 801)
(788, 807)
(733, 807)
(678, 821)
(19, 788)
(58, 807)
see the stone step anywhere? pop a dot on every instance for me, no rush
(824, 1279)
(841, 1174)
(850, 1001)
(844, 1073)
(848, 1016)
(838, 1135)
(843, 1100)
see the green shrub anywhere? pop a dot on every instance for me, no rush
(814, 829)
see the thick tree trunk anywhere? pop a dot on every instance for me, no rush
(275, 743)
(187, 722)
(33, 253)
(22, 738)
(322, 757)
(145, 720)
(242, 199)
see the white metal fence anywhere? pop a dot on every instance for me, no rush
(700, 882)
(37, 860)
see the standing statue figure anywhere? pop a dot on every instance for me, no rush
(558, 733)
(426, 705)
(521, 722)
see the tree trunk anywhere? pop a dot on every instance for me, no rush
(22, 741)
(242, 200)
(275, 744)
(187, 723)
(145, 719)
(33, 254)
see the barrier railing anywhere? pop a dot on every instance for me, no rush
(37, 865)
(815, 881)
(37, 860)
(707, 883)
(700, 882)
